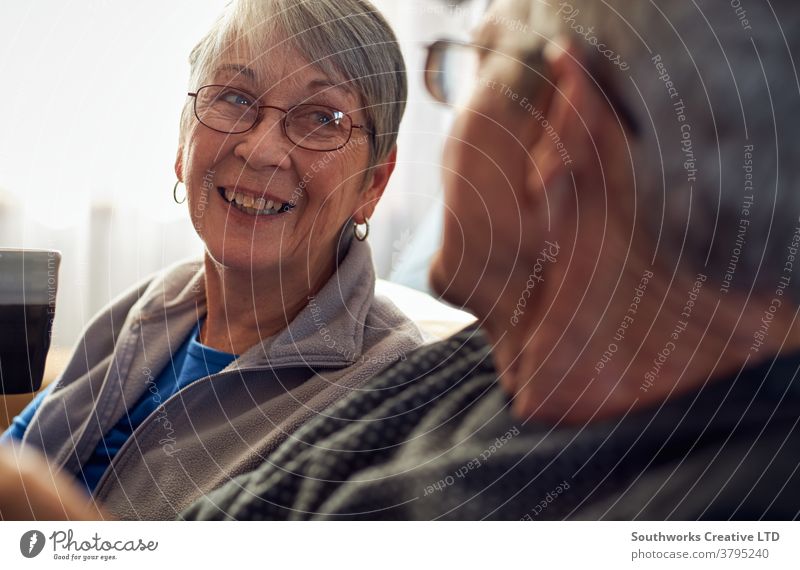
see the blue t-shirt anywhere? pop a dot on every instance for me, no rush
(192, 362)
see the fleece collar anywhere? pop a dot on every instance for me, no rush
(328, 331)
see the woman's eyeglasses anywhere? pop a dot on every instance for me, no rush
(308, 126)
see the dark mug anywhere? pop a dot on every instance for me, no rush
(28, 285)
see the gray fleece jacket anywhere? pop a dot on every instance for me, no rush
(223, 425)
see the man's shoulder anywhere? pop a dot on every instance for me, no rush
(431, 378)
(463, 353)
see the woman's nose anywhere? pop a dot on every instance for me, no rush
(265, 145)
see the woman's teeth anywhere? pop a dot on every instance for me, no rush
(253, 206)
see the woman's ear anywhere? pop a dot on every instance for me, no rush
(377, 180)
(179, 164)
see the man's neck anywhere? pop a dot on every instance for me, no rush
(598, 344)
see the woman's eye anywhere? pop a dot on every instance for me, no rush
(327, 117)
(322, 118)
(236, 98)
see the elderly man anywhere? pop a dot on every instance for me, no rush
(621, 217)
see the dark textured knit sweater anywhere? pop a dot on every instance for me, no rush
(433, 438)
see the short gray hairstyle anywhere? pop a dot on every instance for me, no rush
(348, 40)
(733, 88)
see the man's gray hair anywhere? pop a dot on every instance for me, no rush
(348, 40)
(715, 92)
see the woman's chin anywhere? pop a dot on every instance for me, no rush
(246, 258)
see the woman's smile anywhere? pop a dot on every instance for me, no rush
(254, 204)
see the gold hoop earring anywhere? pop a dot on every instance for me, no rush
(361, 235)
(175, 194)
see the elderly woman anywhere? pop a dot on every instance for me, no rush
(287, 142)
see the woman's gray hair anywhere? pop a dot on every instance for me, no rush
(715, 92)
(348, 40)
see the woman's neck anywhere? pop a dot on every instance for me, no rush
(244, 307)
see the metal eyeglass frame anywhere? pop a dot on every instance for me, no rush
(285, 112)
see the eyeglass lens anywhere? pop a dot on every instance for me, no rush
(452, 72)
(229, 110)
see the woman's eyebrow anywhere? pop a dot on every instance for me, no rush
(238, 69)
(328, 86)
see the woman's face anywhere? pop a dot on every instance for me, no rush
(314, 193)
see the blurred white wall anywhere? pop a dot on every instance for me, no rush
(92, 91)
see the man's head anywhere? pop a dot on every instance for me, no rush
(662, 129)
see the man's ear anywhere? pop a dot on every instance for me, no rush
(179, 164)
(579, 120)
(377, 180)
